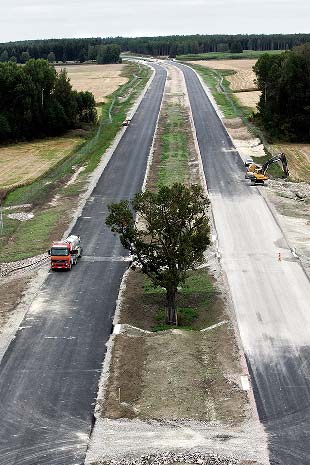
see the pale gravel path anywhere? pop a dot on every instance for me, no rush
(131, 439)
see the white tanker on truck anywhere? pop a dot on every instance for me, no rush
(64, 254)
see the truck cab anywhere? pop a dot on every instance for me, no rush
(64, 254)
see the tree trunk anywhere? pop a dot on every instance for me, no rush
(171, 306)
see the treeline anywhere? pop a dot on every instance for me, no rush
(94, 48)
(38, 102)
(61, 50)
(284, 82)
(183, 45)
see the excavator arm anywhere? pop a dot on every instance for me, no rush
(258, 175)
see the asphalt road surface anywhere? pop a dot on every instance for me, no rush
(49, 375)
(271, 296)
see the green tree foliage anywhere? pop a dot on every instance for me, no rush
(284, 106)
(86, 105)
(38, 102)
(172, 238)
(76, 49)
(25, 56)
(51, 57)
(108, 54)
(4, 56)
(236, 47)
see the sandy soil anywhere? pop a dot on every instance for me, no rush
(203, 363)
(24, 162)
(11, 292)
(101, 80)
(245, 143)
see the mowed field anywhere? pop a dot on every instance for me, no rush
(242, 83)
(101, 80)
(24, 162)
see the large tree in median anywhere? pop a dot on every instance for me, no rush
(169, 238)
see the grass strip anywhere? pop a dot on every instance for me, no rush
(173, 147)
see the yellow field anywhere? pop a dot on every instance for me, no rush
(24, 162)
(244, 77)
(242, 82)
(298, 157)
(248, 99)
(101, 80)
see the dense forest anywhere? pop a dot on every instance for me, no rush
(284, 106)
(107, 50)
(37, 102)
(63, 50)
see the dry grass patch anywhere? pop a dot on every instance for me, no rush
(298, 156)
(23, 163)
(244, 77)
(101, 80)
(248, 99)
(242, 83)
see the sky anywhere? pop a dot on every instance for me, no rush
(41, 19)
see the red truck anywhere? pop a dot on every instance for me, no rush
(64, 254)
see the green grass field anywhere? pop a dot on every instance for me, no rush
(246, 54)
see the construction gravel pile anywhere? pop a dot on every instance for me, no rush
(21, 216)
(173, 458)
(291, 190)
(27, 264)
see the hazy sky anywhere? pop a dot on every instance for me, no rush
(35, 19)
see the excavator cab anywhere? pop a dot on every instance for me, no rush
(257, 174)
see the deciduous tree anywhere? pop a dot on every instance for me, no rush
(170, 237)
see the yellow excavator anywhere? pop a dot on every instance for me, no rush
(257, 174)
